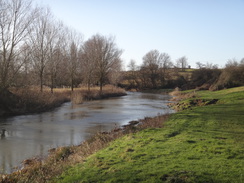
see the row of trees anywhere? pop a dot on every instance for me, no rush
(37, 48)
(156, 71)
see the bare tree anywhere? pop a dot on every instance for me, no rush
(40, 38)
(165, 64)
(151, 62)
(24, 59)
(132, 65)
(56, 46)
(106, 54)
(182, 63)
(232, 63)
(114, 74)
(132, 74)
(73, 60)
(200, 65)
(74, 45)
(242, 62)
(209, 65)
(89, 62)
(15, 17)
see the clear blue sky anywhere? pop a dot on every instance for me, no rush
(202, 30)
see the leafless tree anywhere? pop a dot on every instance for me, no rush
(200, 65)
(40, 38)
(242, 62)
(209, 65)
(114, 74)
(106, 55)
(232, 63)
(56, 47)
(24, 59)
(132, 65)
(74, 44)
(165, 64)
(132, 74)
(151, 62)
(182, 63)
(73, 60)
(15, 17)
(89, 62)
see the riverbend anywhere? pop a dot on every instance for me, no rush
(25, 136)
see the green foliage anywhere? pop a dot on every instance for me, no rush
(203, 144)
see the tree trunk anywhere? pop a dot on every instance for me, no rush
(52, 83)
(41, 83)
(72, 84)
(101, 87)
(89, 86)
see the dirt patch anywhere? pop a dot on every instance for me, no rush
(179, 106)
(203, 102)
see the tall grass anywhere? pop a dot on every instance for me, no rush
(80, 95)
(31, 100)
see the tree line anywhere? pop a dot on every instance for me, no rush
(38, 49)
(158, 71)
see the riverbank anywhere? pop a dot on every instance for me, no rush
(60, 159)
(201, 143)
(19, 101)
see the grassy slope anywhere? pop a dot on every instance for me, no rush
(201, 144)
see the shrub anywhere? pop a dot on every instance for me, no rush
(232, 76)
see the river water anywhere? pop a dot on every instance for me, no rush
(26, 136)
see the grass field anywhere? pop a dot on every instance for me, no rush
(204, 143)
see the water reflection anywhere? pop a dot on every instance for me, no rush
(2, 134)
(75, 115)
(25, 136)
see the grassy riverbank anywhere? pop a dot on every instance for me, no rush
(202, 143)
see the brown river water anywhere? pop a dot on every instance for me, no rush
(27, 136)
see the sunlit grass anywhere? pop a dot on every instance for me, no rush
(202, 144)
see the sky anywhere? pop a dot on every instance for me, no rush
(206, 31)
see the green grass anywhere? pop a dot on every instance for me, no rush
(201, 144)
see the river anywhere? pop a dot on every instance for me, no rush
(26, 136)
